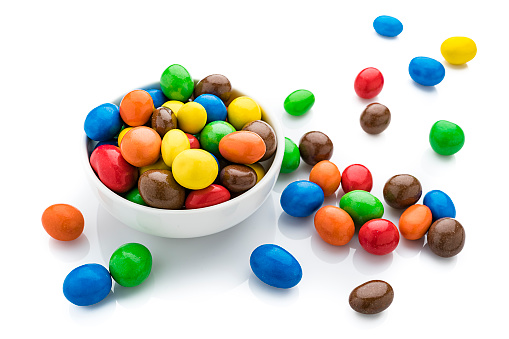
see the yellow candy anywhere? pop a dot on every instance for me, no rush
(192, 117)
(458, 50)
(122, 133)
(243, 110)
(174, 142)
(260, 171)
(158, 165)
(174, 105)
(195, 169)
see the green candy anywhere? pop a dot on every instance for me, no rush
(446, 138)
(362, 206)
(291, 158)
(212, 134)
(134, 196)
(130, 264)
(176, 83)
(299, 102)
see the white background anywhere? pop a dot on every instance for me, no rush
(61, 59)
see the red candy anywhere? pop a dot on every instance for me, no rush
(379, 236)
(112, 169)
(356, 177)
(208, 196)
(193, 141)
(368, 83)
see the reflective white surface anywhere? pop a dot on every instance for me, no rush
(61, 59)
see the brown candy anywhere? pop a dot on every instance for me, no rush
(159, 189)
(371, 297)
(216, 84)
(237, 178)
(265, 131)
(163, 119)
(375, 118)
(446, 237)
(402, 191)
(314, 147)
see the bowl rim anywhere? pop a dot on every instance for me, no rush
(273, 171)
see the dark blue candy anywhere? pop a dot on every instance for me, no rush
(440, 204)
(216, 110)
(301, 198)
(387, 26)
(113, 142)
(158, 97)
(276, 267)
(426, 71)
(87, 284)
(103, 122)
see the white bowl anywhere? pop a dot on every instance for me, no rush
(188, 223)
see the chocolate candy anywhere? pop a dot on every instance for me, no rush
(141, 146)
(266, 132)
(112, 169)
(216, 84)
(356, 177)
(446, 138)
(446, 237)
(301, 198)
(158, 96)
(426, 71)
(243, 110)
(299, 102)
(63, 222)
(326, 175)
(440, 204)
(212, 134)
(361, 206)
(159, 189)
(375, 118)
(415, 222)
(369, 83)
(379, 236)
(402, 191)
(103, 122)
(291, 157)
(371, 297)
(314, 147)
(208, 196)
(275, 266)
(130, 264)
(387, 26)
(458, 50)
(136, 107)
(334, 225)
(237, 178)
(87, 284)
(134, 196)
(177, 83)
(216, 110)
(163, 119)
(195, 168)
(242, 147)
(192, 117)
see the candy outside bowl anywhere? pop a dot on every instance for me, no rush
(188, 223)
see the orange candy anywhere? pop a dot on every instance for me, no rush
(63, 222)
(326, 175)
(141, 146)
(136, 107)
(242, 147)
(415, 222)
(334, 225)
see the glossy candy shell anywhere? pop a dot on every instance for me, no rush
(130, 264)
(209, 196)
(371, 297)
(356, 177)
(440, 204)
(242, 147)
(195, 168)
(379, 236)
(103, 122)
(87, 284)
(212, 133)
(369, 83)
(301, 198)
(291, 158)
(216, 110)
(362, 206)
(136, 107)
(299, 102)
(174, 142)
(112, 169)
(141, 146)
(446, 237)
(334, 225)
(426, 71)
(275, 266)
(243, 110)
(63, 222)
(387, 26)
(176, 83)
(458, 50)
(326, 175)
(446, 138)
(415, 221)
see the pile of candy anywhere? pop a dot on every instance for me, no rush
(181, 146)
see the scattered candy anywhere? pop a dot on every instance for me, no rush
(215, 84)
(243, 110)
(356, 177)
(136, 107)
(415, 222)
(266, 132)
(163, 119)
(275, 266)
(112, 169)
(208, 196)
(402, 191)
(242, 147)
(141, 146)
(369, 83)
(63, 222)
(446, 138)
(440, 204)
(238, 178)
(326, 175)
(103, 122)
(361, 206)
(130, 264)
(387, 26)
(458, 50)
(176, 83)
(87, 284)
(446, 237)
(371, 297)
(291, 157)
(426, 71)
(314, 147)
(379, 236)
(334, 225)
(301, 198)
(159, 189)
(375, 118)
(195, 168)
(299, 102)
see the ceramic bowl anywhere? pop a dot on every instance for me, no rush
(188, 223)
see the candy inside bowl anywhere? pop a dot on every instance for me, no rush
(187, 223)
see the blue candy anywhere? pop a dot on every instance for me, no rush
(426, 71)
(87, 284)
(275, 266)
(113, 142)
(103, 122)
(440, 204)
(387, 26)
(216, 110)
(158, 97)
(301, 198)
